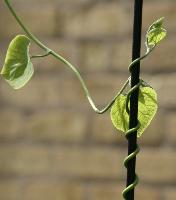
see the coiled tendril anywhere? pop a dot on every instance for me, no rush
(150, 44)
(132, 130)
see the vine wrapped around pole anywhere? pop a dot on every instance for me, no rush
(125, 106)
(133, 148)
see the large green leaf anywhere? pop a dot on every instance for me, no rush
(18, 69)
(146, 110)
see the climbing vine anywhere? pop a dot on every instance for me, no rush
(147, 95)
(18, 70)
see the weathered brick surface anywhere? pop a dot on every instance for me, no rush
(157, 165)
(95, 56)
(11, 124)
(56, 126)
(34, 17)
(102, 131)
(165, 85)
(54, 190)
(113, 191)
(160, 9)
(170, 127)
(11, 190)
(170, 193)
(27, 160)
(52, 145)
(21, 160)
(99, 21)
(152, 64)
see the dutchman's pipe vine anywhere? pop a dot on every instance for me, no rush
(63, 60)
(135, 129)
(18, 69)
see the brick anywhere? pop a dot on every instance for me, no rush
(67, 49)
(114, 191)
(56, 126)
(105, 191)
(148, 192)
(82, 24)
(22, 2)
(28, 13)
(162, 59)
(160, 9)
(153, 135)
(72, 92)
(77, 4)
(104, 132)
(157, 165)
(21, 160)
(62, 90)
(33, 93)
(69, 91)
(121, 55)
(44, 190)
(61, 2)
(169, 193)
(26, 160)
(103, 87)
(95, 56)
(88, 162)
(170, 127)
(11, 125)
(55, 189)
(165, 89)
(10, 190)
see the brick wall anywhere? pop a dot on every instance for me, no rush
(52, 145)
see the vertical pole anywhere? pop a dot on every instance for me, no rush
(133, 116)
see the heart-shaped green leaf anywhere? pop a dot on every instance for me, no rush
(18, 69)
(146, 110)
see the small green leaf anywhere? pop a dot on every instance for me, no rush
(155, 33)
(146, 110)
(18, 69)
(155, 36)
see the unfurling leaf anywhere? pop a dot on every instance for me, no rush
(157, 24)
(155, 33)
(18, 69)
(147, 107)
(155, 36)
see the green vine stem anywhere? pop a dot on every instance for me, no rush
(127, 134)
(131, 131)
(135, 129)
(59, 57)
(154, 35)
(41, 56)
(67, 63)
(149, 50)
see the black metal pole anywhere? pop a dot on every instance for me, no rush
(133, 118)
